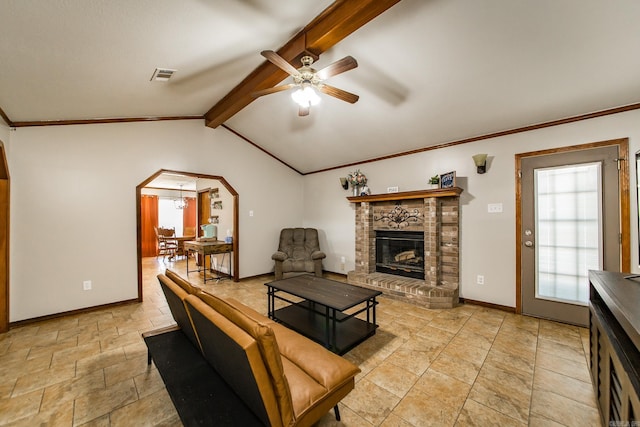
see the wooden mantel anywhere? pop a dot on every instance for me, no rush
(405, 195)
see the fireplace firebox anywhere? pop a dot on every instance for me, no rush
(400, 253)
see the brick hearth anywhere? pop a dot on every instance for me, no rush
(436, 213)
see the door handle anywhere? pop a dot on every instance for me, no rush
(528, 243)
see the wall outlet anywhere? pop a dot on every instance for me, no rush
(250, 213)
(480, 279)
(392, 189)
(86, 285)
(342, 262)
(494, 207)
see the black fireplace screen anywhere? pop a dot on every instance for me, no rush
(400, 253)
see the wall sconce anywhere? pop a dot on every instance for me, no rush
(481, 162)
(344, 183)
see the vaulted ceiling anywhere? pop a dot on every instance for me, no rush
(430, 72)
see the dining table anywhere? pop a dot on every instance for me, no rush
(181, 239)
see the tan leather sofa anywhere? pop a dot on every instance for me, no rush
(286, 379)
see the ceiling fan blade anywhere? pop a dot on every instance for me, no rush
(303, 111)
(339, 93)
(345, 64)
(272, 90)
(277, 60)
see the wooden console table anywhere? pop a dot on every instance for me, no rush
(614, 326)
(209, 248)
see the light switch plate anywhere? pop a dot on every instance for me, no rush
(494, 207)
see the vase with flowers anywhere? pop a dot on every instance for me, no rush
(357, 179)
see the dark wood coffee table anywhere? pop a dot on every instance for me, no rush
(320, 314)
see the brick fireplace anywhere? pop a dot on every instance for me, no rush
(431, 214)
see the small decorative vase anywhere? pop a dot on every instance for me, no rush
(356, 190)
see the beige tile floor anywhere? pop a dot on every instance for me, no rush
(465, 366)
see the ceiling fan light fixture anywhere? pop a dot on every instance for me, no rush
(306, 96)
(307, 82)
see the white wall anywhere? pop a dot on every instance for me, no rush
(487, 240)
(73, 205)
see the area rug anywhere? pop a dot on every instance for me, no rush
(200, 395)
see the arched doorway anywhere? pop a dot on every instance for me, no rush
(223, 182)
(4, 241)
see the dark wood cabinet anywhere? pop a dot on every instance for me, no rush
(614, 324)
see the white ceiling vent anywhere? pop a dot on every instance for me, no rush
(162, 74)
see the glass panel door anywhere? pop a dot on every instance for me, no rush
(568, 211)
(569, 224)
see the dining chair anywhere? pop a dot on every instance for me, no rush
(167, 242)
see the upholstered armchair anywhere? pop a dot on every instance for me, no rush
(298, 251)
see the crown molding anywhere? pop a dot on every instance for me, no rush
(36, 123)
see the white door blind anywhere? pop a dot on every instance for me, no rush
(568, 210)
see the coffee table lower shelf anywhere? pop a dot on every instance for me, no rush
(310, 320)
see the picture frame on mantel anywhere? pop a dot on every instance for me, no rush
(448, 180)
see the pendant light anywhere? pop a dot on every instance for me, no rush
(181, 203)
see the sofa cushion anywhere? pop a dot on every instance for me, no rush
(184, 284)
(328, 369)
(175, 296)
(248, 311)
(261, 331)
(236, 356)
(307, 390)
(298, 243)
(291, 264)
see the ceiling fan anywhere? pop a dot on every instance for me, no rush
(308, 81)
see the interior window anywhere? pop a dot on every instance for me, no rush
(169, 216)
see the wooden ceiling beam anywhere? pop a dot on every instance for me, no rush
(341, 19)
(265, 76)
(334, 24)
